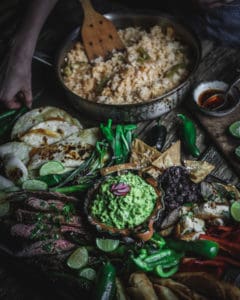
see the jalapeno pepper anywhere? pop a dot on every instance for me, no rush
(165, 258)
(159, 271)
(120, 140)
(142, 265)
(158, 240)
(105, 283)
(157, 256)
(189, 135)
(204, 248)
(157, 136)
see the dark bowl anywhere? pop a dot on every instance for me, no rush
(140, 111)
(143, 231)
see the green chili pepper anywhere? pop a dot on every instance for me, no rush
(7, 114)
(139, 261)
(52, 179)
(141, 264)
(73, 188)
(189, 135)
(158, 240)
(167, 261)
(129, 127)
(156, 136)
(204, 248)
(117, 145)
(105, 283)
(158, 256)
(170, 261)
(8, 125)
(159, 271)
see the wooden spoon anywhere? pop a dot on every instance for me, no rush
(99, 35)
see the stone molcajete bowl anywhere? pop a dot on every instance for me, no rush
(142, 232)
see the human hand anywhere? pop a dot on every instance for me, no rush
(15, 89)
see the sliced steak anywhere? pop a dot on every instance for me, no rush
(48, 247)
(29, 217)
(45, 205)
(22, 196)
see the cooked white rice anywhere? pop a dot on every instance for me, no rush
(154, 63)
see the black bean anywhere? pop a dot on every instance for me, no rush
(178, 187)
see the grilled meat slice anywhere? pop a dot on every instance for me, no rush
(29, 217)
(48, 247)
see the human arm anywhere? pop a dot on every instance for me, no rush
(18, 73)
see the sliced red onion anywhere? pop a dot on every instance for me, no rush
(120, 189)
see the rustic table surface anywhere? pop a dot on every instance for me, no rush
(17, 282)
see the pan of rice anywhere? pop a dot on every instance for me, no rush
(148, 79)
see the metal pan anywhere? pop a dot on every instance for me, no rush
(141, 111)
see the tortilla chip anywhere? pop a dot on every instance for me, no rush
(171, 157)
(142, 154)
(198, 169)
(152, 171)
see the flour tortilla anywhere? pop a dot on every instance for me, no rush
(39, 115)
(71, 152)
(48, 132)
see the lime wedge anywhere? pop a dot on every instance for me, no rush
(107, 245)
(235, 129)
(78, 259)
(34, 185)
(51, 167)
(235, 211)
(88, 273)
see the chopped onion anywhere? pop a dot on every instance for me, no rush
(15, 169)
(5, 183)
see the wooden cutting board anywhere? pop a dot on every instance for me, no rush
(217, 128)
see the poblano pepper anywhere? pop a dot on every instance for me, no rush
(105, 283)
(189, 135)
(208, 249)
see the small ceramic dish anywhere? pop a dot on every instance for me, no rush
(220, 106)
(142, 232)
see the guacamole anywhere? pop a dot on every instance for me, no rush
(124, 201)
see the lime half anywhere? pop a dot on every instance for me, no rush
(107, 245)
(78, 259)
(235, 129)
(51, 167)
(34, 185)
(88, 273)
(235, 211)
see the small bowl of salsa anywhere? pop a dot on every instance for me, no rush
(216, 98)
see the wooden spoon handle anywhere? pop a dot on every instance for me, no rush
(87, 7)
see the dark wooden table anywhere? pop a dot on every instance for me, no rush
(217, 64)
